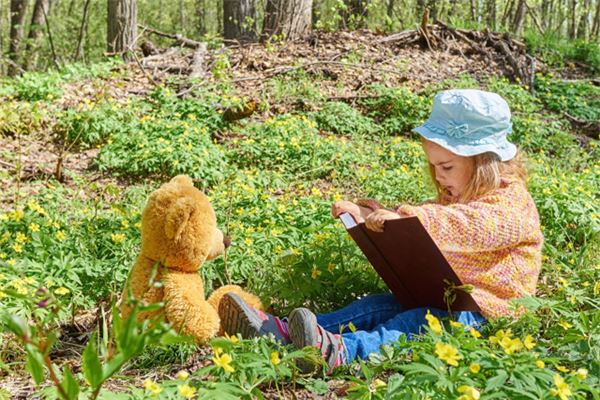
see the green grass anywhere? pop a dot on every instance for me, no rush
(272, 183)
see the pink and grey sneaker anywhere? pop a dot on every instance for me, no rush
(237, 316)
(304, 331)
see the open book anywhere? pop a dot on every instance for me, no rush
(410, 263)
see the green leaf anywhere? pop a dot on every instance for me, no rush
(497, 381)
(17, 325)
(69, 384)
(92, 368)
(35, 365)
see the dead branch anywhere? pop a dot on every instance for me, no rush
(197, 66)
(588, 128)
(179, 39)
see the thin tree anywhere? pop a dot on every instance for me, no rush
(122, 26)
(18, 10)
(491, 14)
(38, 19)
(584, 20)
(596, 26)
(82, 30)
(573, 20)
(517, 23)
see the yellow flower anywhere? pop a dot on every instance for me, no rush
(187, 391)
(501, 334)
(21, 238)
(447, 353)
(378, 383)
(315, 272)
(528, 342)
(434, 323)
(565, 325)
(475, 333)
(124, 224)
(182, 375)
(562, 369)
(3, 217)
(540, 364)
(33, 227)
(17, 215)
(511, 345)
(60, 235)
(581, 373)
(475, 368)
(223, 361)
(456, 324)
(117, 237)
(597, 288)
(275, 358)
(153, 387)
(12, 262)
(61, 291)
(17, 248)
(232, 338)
(468, 393)
(562, 390)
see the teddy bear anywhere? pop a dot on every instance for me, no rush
(179, 233)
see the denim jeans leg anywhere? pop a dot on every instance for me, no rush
(365, 313)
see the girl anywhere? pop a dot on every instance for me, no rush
(483, 220)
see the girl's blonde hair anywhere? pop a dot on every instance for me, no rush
(487, 172)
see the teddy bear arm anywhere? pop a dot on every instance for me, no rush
(186, 308)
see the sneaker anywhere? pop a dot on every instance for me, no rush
(304, 331)
(239, 317)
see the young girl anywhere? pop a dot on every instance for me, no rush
(483, 220)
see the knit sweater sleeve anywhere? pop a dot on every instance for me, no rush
(499, 220)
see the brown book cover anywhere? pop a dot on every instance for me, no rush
(410, 263)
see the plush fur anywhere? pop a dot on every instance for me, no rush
(179, 233)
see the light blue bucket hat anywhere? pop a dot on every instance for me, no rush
(469, 122)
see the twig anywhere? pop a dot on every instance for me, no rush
(179, 38)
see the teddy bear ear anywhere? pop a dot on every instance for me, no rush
(183, 180)
(177, 218)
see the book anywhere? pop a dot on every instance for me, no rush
(410, 263)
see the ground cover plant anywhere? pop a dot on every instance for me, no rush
(66, 247)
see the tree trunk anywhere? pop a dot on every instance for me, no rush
(584, 21)
(506, 17)
(38, 19)
(517, 23)
(290, 18)
(201, 13)
(573, 19)
(491, 14)
(82, 30)
(474, 10)
(18, 9)
(596, 27)
(420, 8)
(356, 13)
(122, 26)
(239, 20)
(390, 9)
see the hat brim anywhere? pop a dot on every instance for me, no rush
(505, 150)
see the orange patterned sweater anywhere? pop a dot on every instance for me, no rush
(493, 243)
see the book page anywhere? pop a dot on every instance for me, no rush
(347, 220)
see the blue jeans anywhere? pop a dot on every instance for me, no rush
(380, 319)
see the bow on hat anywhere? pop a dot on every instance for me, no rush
(457, 131)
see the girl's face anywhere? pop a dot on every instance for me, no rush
(452, 172)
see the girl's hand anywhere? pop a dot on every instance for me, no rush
(376, 219)
(344, 206)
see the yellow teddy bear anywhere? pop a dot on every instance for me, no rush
(179, 233)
